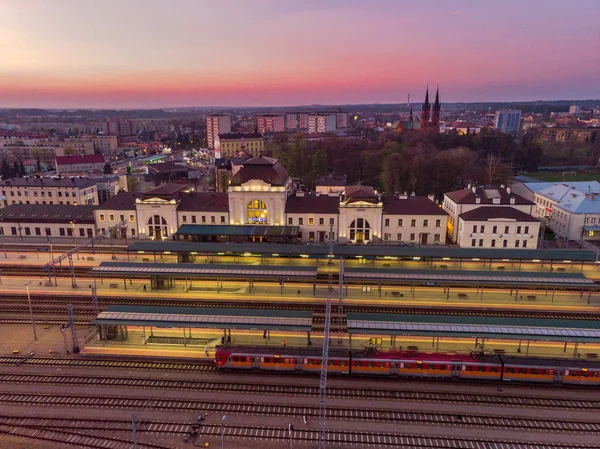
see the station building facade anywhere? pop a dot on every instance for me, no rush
(262, 200)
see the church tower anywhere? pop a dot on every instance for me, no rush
(435, 116)
(426, 111)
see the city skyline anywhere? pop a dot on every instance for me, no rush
(182, 54)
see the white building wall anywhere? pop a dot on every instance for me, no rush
(483, 234)
(400, 228)
(314, 227)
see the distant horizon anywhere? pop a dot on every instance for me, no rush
(267, 53)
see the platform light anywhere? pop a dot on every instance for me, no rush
(275, 255)
(140, 252)
(247, 254)
(304, 255)
(193, 253)
(416, 258)
(445, 258)
(536, 260)
(566, 261)
(476, 259)
(166, 252)
(505, 260)
(220, 254)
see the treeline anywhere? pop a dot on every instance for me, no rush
(417, 162)
(16, 170)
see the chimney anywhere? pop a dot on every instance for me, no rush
(474, 189)
(477, 200)
(299, 193)
(412, 194)
(317, 193)
(508, 189)
(403, 196)
(502, 185)
(431, 197)
(512, 200)
(469, 186)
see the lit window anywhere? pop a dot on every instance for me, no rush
(111, 218)
(101, 216)
(311, 221)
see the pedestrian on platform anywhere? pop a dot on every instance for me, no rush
(284, 343)
(206, 351)
(145, 287)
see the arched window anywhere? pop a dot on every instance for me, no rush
(257, 212)
(360, 230)
(157, 227)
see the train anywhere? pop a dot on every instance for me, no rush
(475, 366)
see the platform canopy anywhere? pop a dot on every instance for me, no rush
(207, 318)
(238, 231)
(192, 270)
(468, 326)
(480, 278)
(366, 251)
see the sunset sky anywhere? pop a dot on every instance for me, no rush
(155, 53)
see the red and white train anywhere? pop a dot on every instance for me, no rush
(411, 364)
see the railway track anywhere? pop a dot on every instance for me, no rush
(54, 301)
(109, 363)
(42, 428)
(342, 393)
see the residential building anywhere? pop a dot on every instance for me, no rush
(116, 210)
(574, 110)
(271, 123)
(229, 145)
(508, 121)
(497, 227)
(215, 125)
(331, 184)
(460, 201)
(91, 163)
(167, 172)
(51, 221)
(57, 190)
(322, 123)
(296, 121)
(341, 120)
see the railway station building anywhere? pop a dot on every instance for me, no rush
(262, 204)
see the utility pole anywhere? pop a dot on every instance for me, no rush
(330, 259)
(72, 267)
(94, 299)
(73, 333)
(134, 431)
(340, 310)
(324, 364)
(31, 310)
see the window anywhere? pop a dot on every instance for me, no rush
(526, 230)
(60, 194)
(256, 212)
(300, 221)
(101, 215)
(518, 229)
(184, 218)
(70, 232)
(413, 223)
(482, 229)
(111, 217)
(321, 221)
(386, 237)
(506, 228)
(132, 232)
(193, 218)
(412, 237)
(400, 222)
(438, 223)
(480, 242)
(27, 231)
(121, 218)
(360, 230)
(34, 194)
(132, 218)
(38, 231)
(157, 227)
(81, 232)
(493, 243)
(387, 222)
(311, 235)
(222, 218)
(203, 219)
(474, 229)
(212, 219)
(495, 230)
(311, 221)
(26, 193)
(517, 242)
(332, 221)
(13, 230)
(425, 223)
(43, 193)
(436, 238)
(524, 243)
(61, 232)
(399, 237)
(49, 194)
(290, 221)
(473, 242)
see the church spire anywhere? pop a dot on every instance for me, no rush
(435, 116)
(437, 97)
(425, 112)
(427, 96)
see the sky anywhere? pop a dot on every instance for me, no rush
(156, 53)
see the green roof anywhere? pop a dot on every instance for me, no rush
(367, 251)
(475, 326)
(238, 231)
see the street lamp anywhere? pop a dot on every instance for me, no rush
(30, 309)
(73, 229)
(223, 430)
(291, 430)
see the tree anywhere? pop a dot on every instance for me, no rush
(5, 169)
(16, 171)
(319, 164)
(133, 184)
(38, 165)
(22, 168)
(107, 169)
(69, 150)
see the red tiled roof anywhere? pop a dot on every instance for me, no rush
(86, 159)
(311, 203)
(413, 205)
